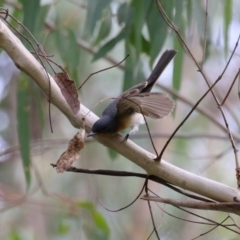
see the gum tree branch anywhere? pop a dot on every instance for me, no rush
(179, 177)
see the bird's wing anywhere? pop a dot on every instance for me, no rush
(134, 90)
(153, 105)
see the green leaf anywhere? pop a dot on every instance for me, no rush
(139, 8)
(146, 46)
(125, 14)
(178, 65)
(189, 12)
(63, 229)
(69, 51)
(14, 235)
(199, 16)
(227, 20)
(105, 26)
(30, 10)
(18, 14)
(100, 231)
(178, 12)
(23, 126)
(129, 67)
(113, 154)
(157, 29)
(60, 41)
(38, 116)
(111, 44)
(133, 67)
(73, 52)
(41, 18)
(94, 12)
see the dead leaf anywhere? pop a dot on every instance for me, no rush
(72, 154)
(68, 90)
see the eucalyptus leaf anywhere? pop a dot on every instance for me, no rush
(178, 65)
(227, 20)
(111, 44)
(23, 126)
(113, 154)
(157, 29)
(31, 10)
(94, 13)
(105, 27)
(100, 229)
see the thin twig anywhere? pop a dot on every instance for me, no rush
(196, 215)
(131, 203)
(151, 214)
(102, 71)
(199, 216)
(220, 224)
(184, 120)
(168, 21)
(229, 90)
(190, 221)
(200, 109)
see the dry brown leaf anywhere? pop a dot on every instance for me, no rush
(72, 153)
(68, 90)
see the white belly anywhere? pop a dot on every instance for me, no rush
(134, 121)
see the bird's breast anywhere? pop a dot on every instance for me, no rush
(131, 121)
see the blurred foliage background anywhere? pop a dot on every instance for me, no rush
(85, 36)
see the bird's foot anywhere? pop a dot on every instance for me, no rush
(126, 138)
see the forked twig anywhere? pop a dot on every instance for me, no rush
(229, 90)
(151, 214)
(131, 203)
(220, 224)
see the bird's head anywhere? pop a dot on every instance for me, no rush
(105, 126)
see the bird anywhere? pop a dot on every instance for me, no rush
(127, 110)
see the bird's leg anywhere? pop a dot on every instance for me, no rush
(126, 137)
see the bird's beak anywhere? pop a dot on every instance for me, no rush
(91, 134)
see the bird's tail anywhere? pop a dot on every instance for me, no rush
(164, 60)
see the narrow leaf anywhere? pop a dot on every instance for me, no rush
(227, 21)
(94, 12)
(139, 8)
(23, 126)
(157, 29)
(73, 52)
(100, 229)
(178, 65)
(105, 26)
(125, 14)
(110, 44)
(31, 10)
(113, 154)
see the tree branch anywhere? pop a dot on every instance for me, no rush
(179, 177)
(233, 207)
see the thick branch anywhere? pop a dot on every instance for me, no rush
(27, 63)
